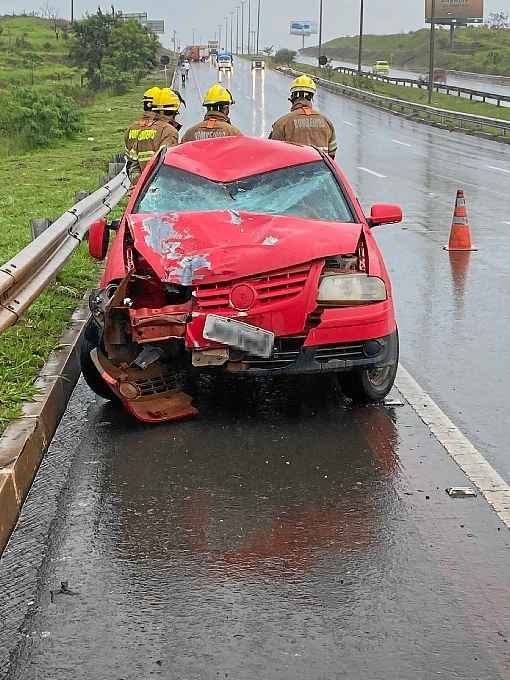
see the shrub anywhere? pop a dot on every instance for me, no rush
(38, 118)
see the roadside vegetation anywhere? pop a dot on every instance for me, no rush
(49, 69)
(41, 176)
(477, 49)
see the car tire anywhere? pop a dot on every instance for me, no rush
(369, 385)
(90, 341)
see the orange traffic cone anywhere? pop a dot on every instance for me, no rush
(460, 234)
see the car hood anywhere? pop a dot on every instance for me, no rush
(208, 247)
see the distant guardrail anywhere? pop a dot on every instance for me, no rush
(473, 95)
(495, 127)
(27, 274)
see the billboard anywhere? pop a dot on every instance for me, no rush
(454, 11)
(155, 25)
(304, 28)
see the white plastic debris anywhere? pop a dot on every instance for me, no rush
(461, 492)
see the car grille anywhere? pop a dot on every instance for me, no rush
(283, 284)
(155, 385)
(287, 351)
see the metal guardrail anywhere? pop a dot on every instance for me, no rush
(444, 117)
(27, 274)
(476, 95)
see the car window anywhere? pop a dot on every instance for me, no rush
(310, 191)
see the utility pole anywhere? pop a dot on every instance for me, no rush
(72, 11)
(226, 34)
(231, 32)
(193, 42)
(258, 26)
(243, 3)
(360, 40)
(220, 26)
(237, 29)
(320, 33)
(432, 49)
(175, 42)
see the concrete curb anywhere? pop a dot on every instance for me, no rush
(26, 440)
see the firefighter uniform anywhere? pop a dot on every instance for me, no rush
(305, 125)
(153, 131)
(216, 123)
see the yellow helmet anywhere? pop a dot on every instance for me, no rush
(149, 97)
(218, 94)
(167, 101)
(303, 84)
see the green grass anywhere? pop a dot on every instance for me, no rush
(411, 94)
(27, 40)
(476, 49)
(44, 183)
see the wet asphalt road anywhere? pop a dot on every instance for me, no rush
(284, 534)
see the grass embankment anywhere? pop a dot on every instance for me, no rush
(32, 53)
(411, 94)
(476, 49)
(43, 183)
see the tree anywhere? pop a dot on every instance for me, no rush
(268, 50)
(90, 45)
(111, 49)
(285, 57)
(499, 20)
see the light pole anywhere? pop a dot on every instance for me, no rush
(258, 26)
(431, 49)
(360, 40)
(320, 33)
(243, 3)
(220, 26)
(193, 43)
(249, 26)
(72, 11)
(231, 32)
(237, 29)
(226, 34)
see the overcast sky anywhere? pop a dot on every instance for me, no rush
(340, 16)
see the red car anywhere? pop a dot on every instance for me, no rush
(243, 255)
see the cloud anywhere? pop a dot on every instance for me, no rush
(340, 18)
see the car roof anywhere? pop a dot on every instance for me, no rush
(225, 159)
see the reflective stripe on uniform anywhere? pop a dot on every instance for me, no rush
(132, 154)
(145, 155)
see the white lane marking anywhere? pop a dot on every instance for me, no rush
(478, 470)
(493, 167)
(397, 141)
(348, 123)
(371, 172)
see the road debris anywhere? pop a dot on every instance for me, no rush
(461, 492)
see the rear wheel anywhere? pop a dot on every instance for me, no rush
(90, 341)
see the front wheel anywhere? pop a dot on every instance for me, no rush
(90, 341)
(369, 384)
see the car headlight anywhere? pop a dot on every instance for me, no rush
(350, 289)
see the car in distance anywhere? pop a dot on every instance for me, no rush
(258, 65)
(243, 255)
(381, 68)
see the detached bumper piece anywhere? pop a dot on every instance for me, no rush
(291, 357)
(149, 395)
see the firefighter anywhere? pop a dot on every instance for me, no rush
(304, 125)
(216, 123)
(156, 129)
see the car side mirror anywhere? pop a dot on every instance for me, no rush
(99, 238)
(384, 213)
